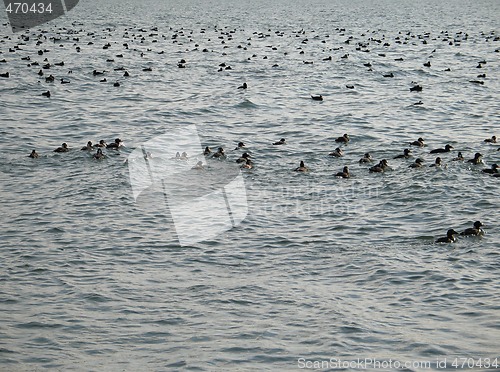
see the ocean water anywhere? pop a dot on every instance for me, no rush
(320, 268)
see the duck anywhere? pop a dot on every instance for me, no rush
(492, 170)
(184, 156)
(437, 163)
(344, 174)
(338, 152)
(344, 139)
(243, 86)
(405, 155)
(88, 147)
(199, 166)
(280, 142)
(478, 159)
(101, 143)
(5, 74)
(416, 88)
(33, 155)
(115, 145)
(419, 142)
(219, 154)
(301, 167)
(243, 158)
(459, 157)
(380, 167)
(447, 148)
(473, 231)
(63, 148)
(207, 151)
(367, 158)
(449, 238)
(248, 165)
(99, 155)
(240, 146)
(418, 163)
(46, 94)
(493, 139)
(317, 98)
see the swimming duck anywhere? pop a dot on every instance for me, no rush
(437, 163)
(344, 139)
(380, 167)
(449, 238)
(115, 145)
(199, 166)
(492, 170)
(337, 152)
(301, 167)
(473, 231)
(317, 98)
(459, 157)
(63, 148)
(367, 158)
(243, 158)
(493, 139)
(33, 155)
(280, 142)
(243, 86)
(46, 94)
(419, 142)
(405, 155)
(478, 159)
(416, 88)
(101, 143)
(447, 148)
(248, 165)
(219, 154)
(207, 151)
(344, 174)
(99, 155)
(88, 147)
(418, 163)
(184, 155)
(240, 146)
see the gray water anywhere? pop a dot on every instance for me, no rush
(321, 267)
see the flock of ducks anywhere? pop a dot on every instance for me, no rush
(246, 162)
(383, 164)
(144, 42)
(118, 143)
(220, 40)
